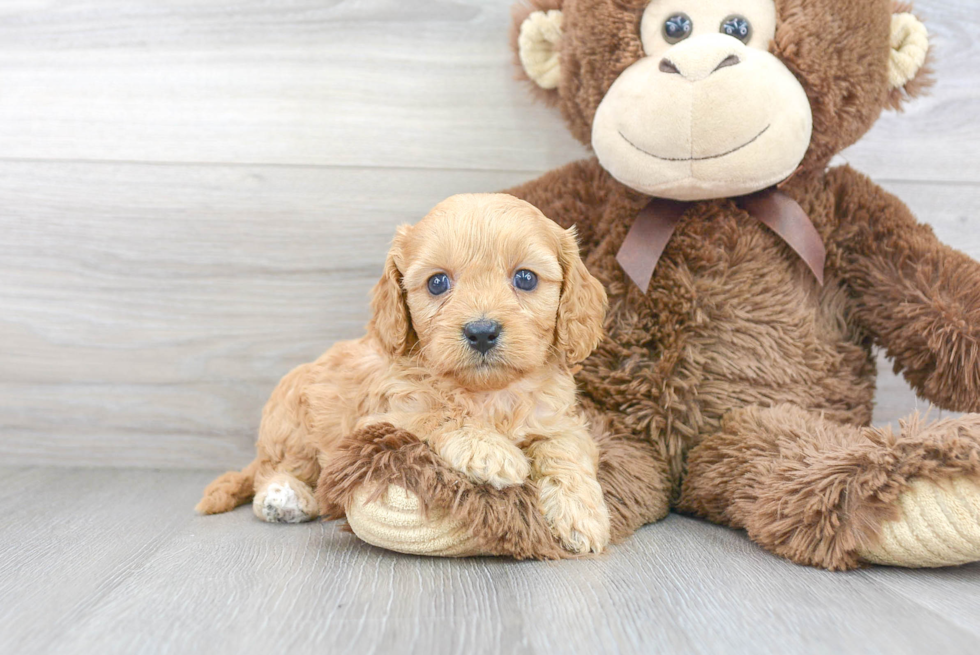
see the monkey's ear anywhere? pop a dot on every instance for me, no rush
(908, 74)
(536, 39)
(391, 323)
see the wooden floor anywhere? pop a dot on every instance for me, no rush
(112, 561)
(196, 196)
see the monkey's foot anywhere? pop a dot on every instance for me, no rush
(939, 526)
(395, 521)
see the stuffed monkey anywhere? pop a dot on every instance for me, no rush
(748, 287)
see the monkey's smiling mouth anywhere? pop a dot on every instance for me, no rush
(724, 154)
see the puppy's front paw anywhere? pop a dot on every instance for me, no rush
(576, 511)
(485, 458)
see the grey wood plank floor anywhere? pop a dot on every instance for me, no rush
(113, 561)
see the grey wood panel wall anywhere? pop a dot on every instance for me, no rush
(197, 196)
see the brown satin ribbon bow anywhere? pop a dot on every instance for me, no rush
(655, 224)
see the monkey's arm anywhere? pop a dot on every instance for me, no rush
(918, 298)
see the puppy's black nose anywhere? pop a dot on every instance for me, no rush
(482, 335)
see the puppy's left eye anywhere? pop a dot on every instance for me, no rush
(438, 284)
(525, 280)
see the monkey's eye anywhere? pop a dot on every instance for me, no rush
(677, 28)
(738, 27)
(438, 284)
(525, 280)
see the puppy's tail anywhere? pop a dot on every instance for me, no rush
(228, 491)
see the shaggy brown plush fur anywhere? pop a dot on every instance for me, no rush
(503, 521)
(813, 490)
(737, 388)
(919, 297)
(380, 454)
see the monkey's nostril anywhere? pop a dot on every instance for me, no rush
(730, 60)
(667, 66)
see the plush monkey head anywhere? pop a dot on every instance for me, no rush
(701, 99)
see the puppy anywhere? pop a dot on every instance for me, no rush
(482, 309)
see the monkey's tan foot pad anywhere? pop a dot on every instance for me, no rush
(395, 521)
(939, 526)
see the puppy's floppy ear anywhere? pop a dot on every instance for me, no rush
(582, 307)
(391, 323)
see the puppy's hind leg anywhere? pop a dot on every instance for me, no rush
(282, 485)
(284, 498)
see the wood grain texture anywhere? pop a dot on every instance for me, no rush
(195, 197)
(68, 538)
(117, 563)
(370, 83)
(341, 83)
(147, 311)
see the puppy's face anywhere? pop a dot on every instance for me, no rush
(485, 289)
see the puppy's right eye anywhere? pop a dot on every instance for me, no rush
(438, 284)
(525, 280)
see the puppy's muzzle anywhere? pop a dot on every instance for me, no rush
(482, 335)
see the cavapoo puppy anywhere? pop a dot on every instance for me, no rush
(482, 309)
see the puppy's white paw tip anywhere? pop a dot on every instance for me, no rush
(282, 505)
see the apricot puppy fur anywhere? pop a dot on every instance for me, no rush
(482, 309)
